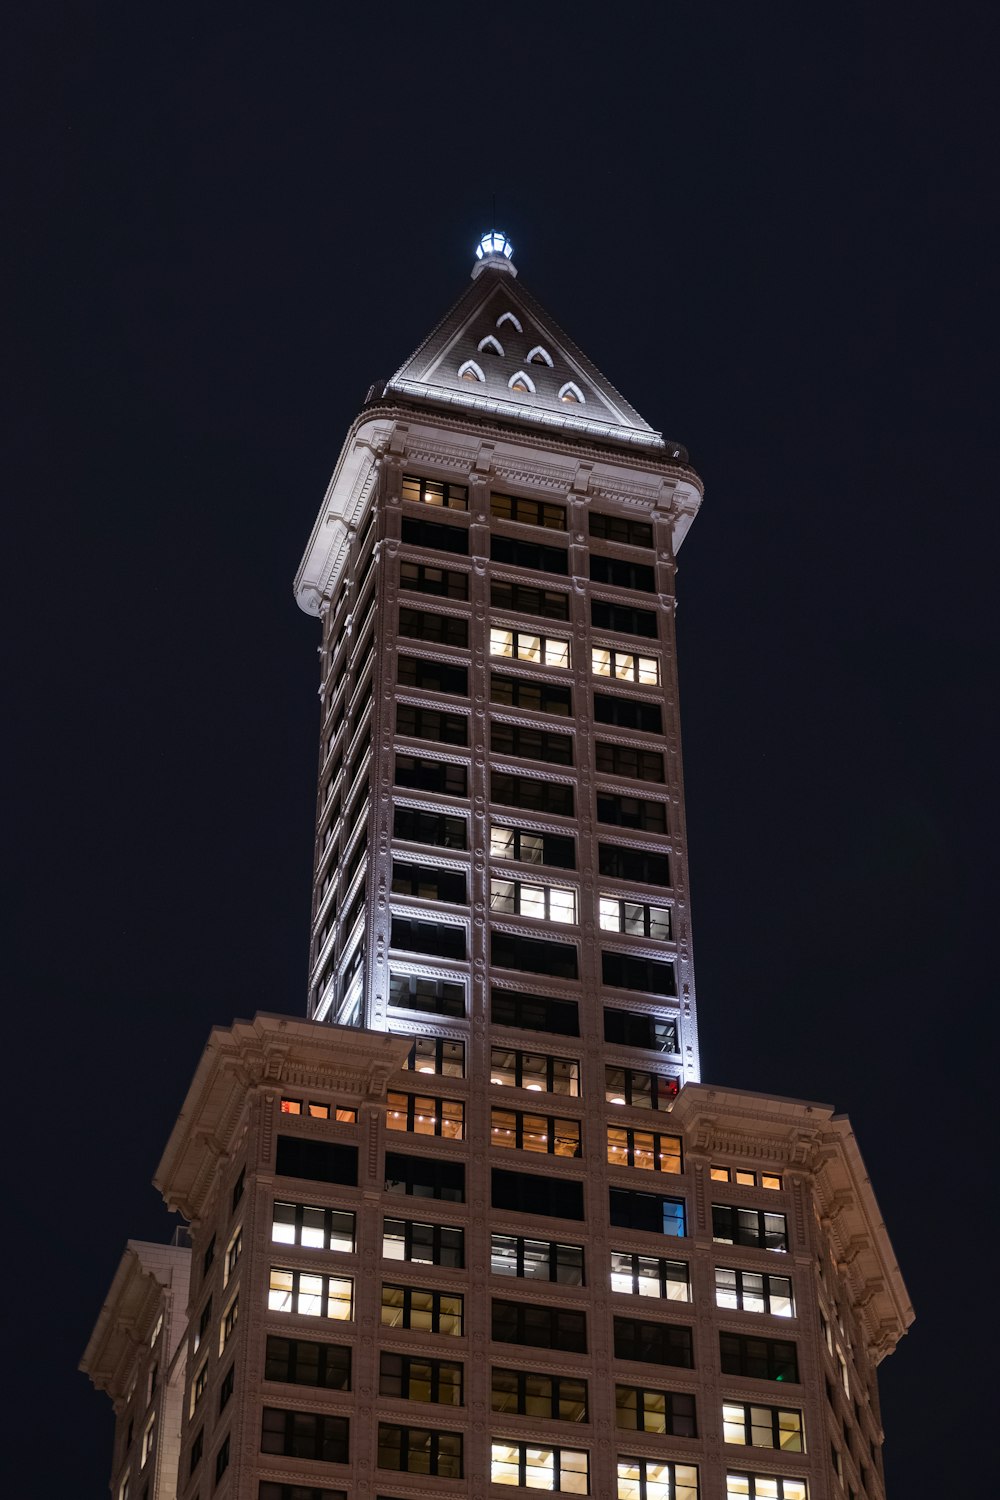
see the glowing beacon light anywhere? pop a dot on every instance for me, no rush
(494, 250)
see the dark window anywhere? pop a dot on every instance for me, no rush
(428, 882)
(622, 574)
(640, 865)
(208, 1257)
(518, 554)
(526, 1394)
(319, 1161)
(749, 1226)
(539, 1327)
(668, 1412)
(420, 533)
(303, 1362)
(638, 1089)
(226, 1387)
(632, 1210)
(197, 1449)
(531, 744)
(534, 1012)
(416, 1450)
(647, 974)
(532, 795)
(439, 996)
(421, 625)
(532, 848)
(626, 760)
(525, 599)
(536, 1260)
(524, 1192)
(221, 1463)
(304, 1434)
(538, 696)
(628, 1030)
(271, 1491)
(528, 512)
(432, 724)
(533, 955)
(654, 1343)
(622, 619)
(423, 579)
(431, 776)
(423, 1244)
(238, 1187)
(620, 529)
(427, 937)
(415, 1176)
(416, 1378)
(628, 713)
(760, 1359)
(432, 676)
(434, 492)
(426, 1311)
(420, 827)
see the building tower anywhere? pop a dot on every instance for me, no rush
(555, 1260)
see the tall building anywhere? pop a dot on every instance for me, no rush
(409, 1278)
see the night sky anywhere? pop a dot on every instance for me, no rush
(773, 227)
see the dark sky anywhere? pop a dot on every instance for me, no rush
(773, 226)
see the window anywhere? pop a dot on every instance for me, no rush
(525, 1192)
(436, 1054)
(434, 537)
(203, 1323)
(233, 1252)
(639, 1090)
(526, 599)
(572, 394)
(532, 848)
(744, 1178)
(221, 1461)
(632, 812)
(489, 345)
(652, 1479)
(416, 1450)
(627, 1029)
(628, 713)
(427, 937)
(622, 574)
(412, 1175)
(208, 1257)
(432, 676)
(423, 1244)
(422, 1115)
(415, 992)
(433, 492)
(428, 883)
(632, 1210)
(654, 1343)
(644, 866)
(531, 744)
(521, 384)
(534, 1012)
(426, 1311)
(625, 532)
(419, 827)
(444, 630)
(304, 1434)
(532, 795)
(431, 776)
(762, 1426)
(238, 1189)
(650, 1276)
(749, 1226)
(423, 579)
(526, 1464)
(228, 1321)
(605, 662)
(535, 1071)
(540, 356)
(531, 693)
(414, 1378)
(148, 1440)
(761, 1487)
(432, 724)
(515, 1129)
(312, 1227)
(227, 1387)
(270, 1491)
(519, 554)
(197, 1450)
(618, 915)
(534, 955)
(319, 1161)
(551, 1397)
(198, 1385)
(550, 903)
(760, 1359)
(645, 1149)
(626, 760)
(625, 972)
(528, 512)
(753, 1291)
(669, 1412)
(303, 1362)
(521, 645)
(539, 1327)
(509, 317)
(311, 1294)
(470, 371)
(536, 1260)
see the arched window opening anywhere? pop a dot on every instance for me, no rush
(508, 317)
(490, 345)
(540, 356)
(470, 371)
(522, 384)
(571, 394)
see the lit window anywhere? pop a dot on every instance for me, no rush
(745, 1178)
(571, 394)
(470, 371)
(667, 1412)
(753, 1291)
(762, 1426)
(157, 1330)
(650, 1276)
(148, 1440)
(547, 1134)
(521, 384)
(233, 1253)
(764, 1487)
(645, 1149)
(422, 1115)
(651, 1479)
(436, 1054)
(291, 1106)
(312, 1227)
(639, 1089)
(526, 1394)
(535, 1071)
(434, 491)
(548, 651)
(228, 1321)
(536, 1260)
(625, 666)
(425, 1311)
(311, 1295)
(634, 917)
(534, 1468)
(549, 902)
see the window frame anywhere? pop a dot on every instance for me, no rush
(437, 1312)
(553, 1259)
(556, 1128)
(537, 648)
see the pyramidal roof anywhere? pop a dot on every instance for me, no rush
(497, 352)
